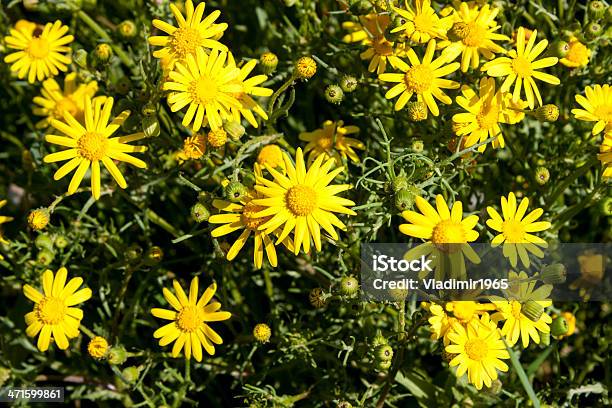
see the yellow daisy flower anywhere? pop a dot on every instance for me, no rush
(271, 155)
(521, 67)
(466, 311)
(483, 116)
(605, 155)
(440, 323)
(250, 87)
(423, 78)
(332, 142)
(517, 324)
(189, 327)
(53, 101)
(53, 315)
(577, 56)
(194, 147)
(40, 54)
(193, 33)
(596, 107)
(369, 26)
(241, 216)
(303, 201)
(515, 230)
(208, 85)
(479, 352)
(421, 21)
(478, 36)
(91, 144)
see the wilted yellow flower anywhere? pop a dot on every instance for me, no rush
(194, 147)
(305, 67)
(332, 142)
(39, 218)
(40, 55)
(97, 347)
(577, 56)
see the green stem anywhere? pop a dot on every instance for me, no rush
(268, 282)
(522, 376)
(401, 320)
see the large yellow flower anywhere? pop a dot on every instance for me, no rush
(479, 351)
(331, 141)
(596, 107)
(521, 67)
(189, 328)
(483, 116)
(516, 323)
(90, 143)
(208, 85)
(577, 56)
(53, 101)
(421, 23)
(303, 201)
(423, 78)
(515, 230)
(41, 54)
(477, 28)
(192, 34)
(53, 315)
(250, 87)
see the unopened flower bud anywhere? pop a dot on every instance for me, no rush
(98, 347)
(123, 85)
(593, 30)
(605, 207)
(127, 29)
(559, 48)
(305, 68)
(101, 54)
(383, 365)
(596, 9)
(334, 94)
(553, 274)
(235, 191)
(383, 353)
(348, 83)
(133, 253)
(496, 387)
(149, 109)
(234, 129)
(262, 333)
(130, 374)
(344, 404)
(150, 126)
(44, 241)
(544, 339)
(349, 285)
(418, 146)
(199, 213)
(38, 219)
(405, 197)
(532, 310)
(547, 113)
(317, 298)
(217, 138)
(45, 257)
(268, 62)
(80, 58)
(61, 241)
(117, 355)
(559, 326)
(399, 183)
(154, 256)
(542, 175)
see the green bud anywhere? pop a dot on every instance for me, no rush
(268, 62)
(123, 85)
(553, 274)
(133, 253)
(5, 375)
(235, 191)
(334, 94)
(417, 111)
(344, 404)
(383, 365)
(61, 241)
(405, 197)
(547, 113)
(544, 339)
(101, 54)
(44, 241)
(80, 58)
(317, 298)
(149, 109)
(150, 126)
(596, 9)
(532, 310)
(383, 353)
(234, 129)
(154, 256)
(559, 49)
(605, 207)
(496, 387)
(542, 175)
(399, 183)
(378, 340)
(608, 14)
(130, 374)
(45, 257)
(117, 355)
(289, 3)
(418, 146)
(559, 326)
(127, 29)
(360, 7)
(199, 213)
(349, 285)
(348, 83)
(593, 30)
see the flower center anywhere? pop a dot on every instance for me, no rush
(203, 90)
(488, 116)
(248, 216)
(65, 105)
(513, 231)
(522, 67)
(38, 48)
(51, 310)
(325, 142)
(185, 41)
(476, 349)
(189, 318)
(301, 200)
(604, 112)
(92, 146)
(382, 46)
(475, 36)
(448, 232)
(418, 78)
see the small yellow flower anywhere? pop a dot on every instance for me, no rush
(577, 56)
(194, 147)
(596, 107)
(271, 155)
(467, 311)
(421, 22)
(41, 54)
(305, 68)
(262, 333)
(189, 327)
(605, 155)
(521, 67)
(332, 142)
(570, 318)
(53, 315)
(516, 229)
(97, 347)
(440, 323)
(193, 33)
(479, 351)
(38, 219)
(53, 101)
(3, 219)
(423, 78)
(90, 143)
(216, 138)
